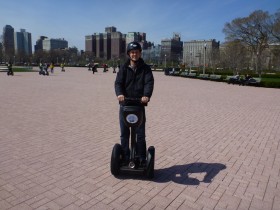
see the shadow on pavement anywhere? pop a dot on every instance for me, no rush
(185, 174)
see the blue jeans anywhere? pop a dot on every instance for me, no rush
(140, 136)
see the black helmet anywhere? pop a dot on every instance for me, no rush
(133, 46)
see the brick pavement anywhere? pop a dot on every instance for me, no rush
(217, 145)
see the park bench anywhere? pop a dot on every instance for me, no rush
(191, 75)
(203, 76)
(252, 81)
(215, 77)
(3, 68)
(232, 80)
(187, 74)
(228, 78)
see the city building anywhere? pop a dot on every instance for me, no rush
(108, 45)
(112, 44)
(171, 49)
(52, 44)
(23, 42)
(110, 29)
(137, 37)
(196, 52)
(90, 44)
(99, 46)
(8, 41)
(39, 43)
(118, 45)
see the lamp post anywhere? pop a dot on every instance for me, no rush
(165, 60)
(257, 64)
(204, 58)
(190, 61)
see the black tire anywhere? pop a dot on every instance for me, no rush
(150, 162)
(116, 159)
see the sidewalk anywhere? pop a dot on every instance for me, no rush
(217, 145)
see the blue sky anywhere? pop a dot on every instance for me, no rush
(74, 19)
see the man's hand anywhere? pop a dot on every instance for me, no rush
(121, 98)
(145, 99)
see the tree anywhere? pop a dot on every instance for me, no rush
(252, 31)
(1, 53)
(234, 55)
(274, 26)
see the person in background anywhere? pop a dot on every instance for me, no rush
(52, 67)
(62, 67)
(10, 68)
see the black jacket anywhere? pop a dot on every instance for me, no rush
(135, 84)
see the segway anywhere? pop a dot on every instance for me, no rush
(44, 71)
(10, 72)
(133, 117)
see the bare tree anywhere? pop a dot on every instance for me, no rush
(252, 31)
(234, 55)
(274, 26)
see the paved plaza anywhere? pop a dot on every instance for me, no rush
(217, 145)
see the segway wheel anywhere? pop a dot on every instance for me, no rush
(116, 159)
(150, 162)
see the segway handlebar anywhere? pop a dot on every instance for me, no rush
(132, 99)
(128, 100)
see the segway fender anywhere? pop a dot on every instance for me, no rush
(150, 162)
(116, 159)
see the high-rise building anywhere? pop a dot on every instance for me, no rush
(91, 44)
(99, 45)
(108, 45)
(195, 51)
(112, 43)
(110, 29)
(137, 37)
(39, 43)
(23, 42)
(117, 45)
(52, 44)
(8, 41)
(171, 49)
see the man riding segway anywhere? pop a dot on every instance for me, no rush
(134, 81)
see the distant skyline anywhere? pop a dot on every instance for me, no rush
(159, 19)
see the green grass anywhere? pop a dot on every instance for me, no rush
(23, 69)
